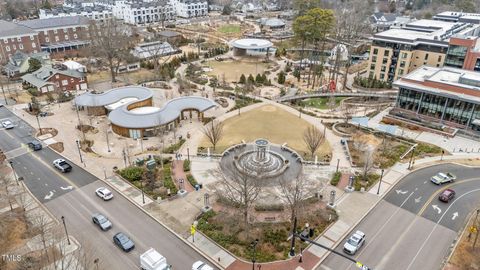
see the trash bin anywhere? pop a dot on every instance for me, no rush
(197, 187)
(200, 185)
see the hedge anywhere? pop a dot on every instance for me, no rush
(192, 180)
(168, 181)
(174, 147)
(336, 178)
(186, 165)
(132, 173)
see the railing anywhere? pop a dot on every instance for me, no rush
(344, 94)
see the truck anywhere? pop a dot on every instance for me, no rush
(153, 260)
(62, 165)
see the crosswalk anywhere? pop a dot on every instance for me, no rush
(20, 151)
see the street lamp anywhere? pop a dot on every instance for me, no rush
(38, 122)
(379, 183)
(143, 194)
(14, 173)
(66, 232)
(254, 259)
(410, 165)
(108, 143)
(96, 263)
(338, 163)
(80, 152)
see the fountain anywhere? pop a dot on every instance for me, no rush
(261, 160)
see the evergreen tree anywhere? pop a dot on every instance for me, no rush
(242, 79)
(281, 77)
(251, 79)
(258, 79)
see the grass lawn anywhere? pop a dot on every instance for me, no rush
(322, 103)
(230, 29)
(234, 69)
(269, 122)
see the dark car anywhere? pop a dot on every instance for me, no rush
(123, 242)
(101, 221)
(35, 145)
(447, 195)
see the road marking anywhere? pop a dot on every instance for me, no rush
(425, 182)
(49, 196)
(417, 200)
(383, 226)
(55, 171)
(67, 188)
(455, 215)
(440, 190)
(435, 207)
(436, 224)
(399, 191)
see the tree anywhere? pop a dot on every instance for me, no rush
(465, 5)
(227, 9)
(294, 192)
(33, 65)
(214, 132)
(259, 79)
(250, 79)
(347, 112)
(281, 77)
(242, 79)
(110, 41)
(241, 189)
(363, 145)
(313, 138)
(46, 5)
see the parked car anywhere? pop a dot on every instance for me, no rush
(123, 241)
(152, 260)
(354, 243)
(447, 195)
(199, 265)
(104, 193)
(62, 165)
(442, 178)
(101, 221)
(7, 124)
(35, 145)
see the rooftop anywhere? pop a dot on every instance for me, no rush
(426, 32)
(10, 29)
(251, 43)
(57, 22)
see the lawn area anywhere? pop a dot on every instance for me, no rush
(322, 103)
(234, 69)
(267, 122)
(130, 77)
(230, 29)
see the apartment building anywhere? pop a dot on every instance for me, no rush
(190, 8)
(143, 12)
(61, 34)
(399, 51)
(455, 16)
(17, 38)
(441, 96)
(93, 12)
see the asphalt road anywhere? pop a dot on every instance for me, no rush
(410, 229)
(72, 195)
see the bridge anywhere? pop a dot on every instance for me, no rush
(319, 94)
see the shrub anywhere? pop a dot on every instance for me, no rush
(34, 92)
(168, 181)
(174, 147)
(186, 165)
(192, 180)
(336, 178)
(132, 173)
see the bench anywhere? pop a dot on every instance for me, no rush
(269, 219)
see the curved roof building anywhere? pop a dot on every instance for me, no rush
(131, 108)
(251, 46)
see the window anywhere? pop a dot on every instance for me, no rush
(383, 68)
(55, 31)
(64, 82)
(7, 48)
(374, 59)
(56, 76)
(20, 46)
(47, 39)
(375, 51)
(385, 60)
(75, 36)
(400, 72)
(34, 45)
(382, 76)
(402, 64)
(5, 40)
(45, 32)
(19, 39)
(31, 37)
(66, 37)
(56, 38)
(74, 29)
(426, 56)
(372, 67)
(439, 58)
(371, 74)
(14, 46)
(386, 53)
(404, 55)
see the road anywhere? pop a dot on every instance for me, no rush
(72, 195)
(410, 229)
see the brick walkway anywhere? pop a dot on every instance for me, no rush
(178, 174)
(343, 183)
(308, 262)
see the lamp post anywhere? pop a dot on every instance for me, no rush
(14, 172)
(338, 163)
(380, 183)
(410, 165)
(143, 194)
(108, 142)
(188, 154)
(254, 258)
(80, 152)
(38, 122)
(96, 263)
(66, 232)
(441, 157)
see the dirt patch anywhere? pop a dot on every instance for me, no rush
(87, 128)
(13, 232)
(464, 256)
(58, 146)
(86, 145)
(53, 132)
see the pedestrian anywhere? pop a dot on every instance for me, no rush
(300, 260)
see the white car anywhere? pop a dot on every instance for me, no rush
(104, 193)
(442, 178)
(199, 265)
(7, 124)
(354, 243)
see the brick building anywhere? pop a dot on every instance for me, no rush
(48, 79)
(17, 38)
(61, 34)
(464, 52)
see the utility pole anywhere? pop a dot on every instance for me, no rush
(410, 165)
(3, 91)
(380, 183)
(66, 232)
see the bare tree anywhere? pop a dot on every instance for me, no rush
(214, 132)
(295, 192)
(347, 112)
(241, 189)
(111, 41)
(367, 149)
(6, 181)
(313, 138)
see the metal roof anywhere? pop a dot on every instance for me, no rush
(55, 22)
(9, 29)
(124, 118)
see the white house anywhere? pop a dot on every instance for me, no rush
(143, 12)
(190, 8)
(93, 12)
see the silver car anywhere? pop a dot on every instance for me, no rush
(101, 221)
(354, 243)
(7, 124)
(442, 178)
